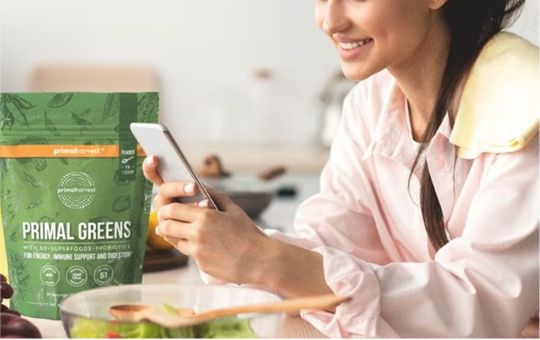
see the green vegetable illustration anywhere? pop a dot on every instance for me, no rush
(122, 203)
(100, 219)
(31, 180)
(21, 102)
(119, 179)
(48, 219)
(60, 100)
(23, 160)
(14, 109)
(34, 204)
(3, 167)
(40, 164)
(8, 210)
(112, 105)
(7, 117)
(80, 121)
(30, 140)
(148, 104)
(50, 125)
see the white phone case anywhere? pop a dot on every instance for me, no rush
(156, 140)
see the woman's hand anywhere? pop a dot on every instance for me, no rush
(225, 244)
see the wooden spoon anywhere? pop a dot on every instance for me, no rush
(143, 312)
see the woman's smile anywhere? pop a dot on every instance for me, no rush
(353, 50)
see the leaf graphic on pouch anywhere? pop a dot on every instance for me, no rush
(33, 140)
(39, 164)
(7, 197)
(63, 161)
(23, 160)
(7, 121)
(50, 126)
(60, 99)
(84, 113)
(7, 116)
(13, 107)
(3, 167)
(147, 105)
(20, 102)
(31, 180)
(34, 204)
(16, 112)
(112, 105)
(46, 219)
(100, 219)
(119, 179)
(83, 123)
(122, 203)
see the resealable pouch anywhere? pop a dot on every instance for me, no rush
(74, 203)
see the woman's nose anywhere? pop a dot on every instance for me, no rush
(332, 16)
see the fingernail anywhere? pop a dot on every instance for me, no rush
(150, 160)
(189, 188)
(157, 230)
(203, 203)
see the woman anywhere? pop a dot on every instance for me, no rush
(432, 230)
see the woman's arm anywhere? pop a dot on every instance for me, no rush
(483, 283)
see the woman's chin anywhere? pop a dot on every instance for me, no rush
(356, 72)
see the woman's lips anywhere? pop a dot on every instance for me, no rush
(349, 51)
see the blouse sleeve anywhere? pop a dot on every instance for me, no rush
(483, 283)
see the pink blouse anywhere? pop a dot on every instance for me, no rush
(367, 224)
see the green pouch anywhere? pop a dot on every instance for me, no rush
(73, 199)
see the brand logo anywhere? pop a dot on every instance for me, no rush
(76, 190)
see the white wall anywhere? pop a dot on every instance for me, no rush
(204, 51)
(527, 23)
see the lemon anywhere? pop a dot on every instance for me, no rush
(153, 239)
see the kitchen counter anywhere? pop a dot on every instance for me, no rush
(279, 215)
(253, 158)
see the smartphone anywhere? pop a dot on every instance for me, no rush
(156, 140)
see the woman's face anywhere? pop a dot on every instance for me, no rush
(371, 35)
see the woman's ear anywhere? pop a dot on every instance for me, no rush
(436, 4)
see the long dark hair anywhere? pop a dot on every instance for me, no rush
(471, 24)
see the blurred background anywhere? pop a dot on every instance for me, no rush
(251, 80)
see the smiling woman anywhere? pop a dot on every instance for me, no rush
(427, 213)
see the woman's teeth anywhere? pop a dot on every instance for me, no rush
(352, 45)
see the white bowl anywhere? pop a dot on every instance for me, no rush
(85, 314)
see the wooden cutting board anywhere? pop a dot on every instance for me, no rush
(158, 260)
